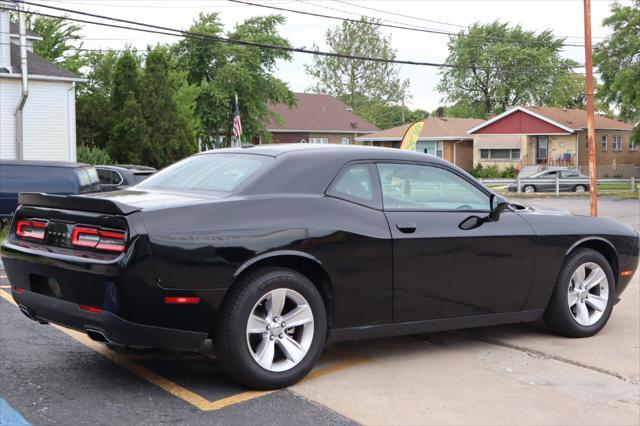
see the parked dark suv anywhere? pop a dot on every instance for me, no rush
(52, 177)
(119, 176)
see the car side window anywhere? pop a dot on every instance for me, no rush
(569, 174)
(109, 177)
(419, 187)
(355, 183)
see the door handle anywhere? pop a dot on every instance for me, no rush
(407, 227)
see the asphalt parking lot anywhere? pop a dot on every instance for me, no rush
(496, 375)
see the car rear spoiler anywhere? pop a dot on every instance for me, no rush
(76, 202)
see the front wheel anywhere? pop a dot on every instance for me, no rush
(580, 188)
(582, 299)
(271, 329)
(529, 189)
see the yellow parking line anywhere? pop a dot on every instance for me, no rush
(3, 276)
(181, 392)
(5, 286)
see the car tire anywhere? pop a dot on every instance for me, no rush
(528, 188)
(580, 188)
(244, 354)
(565, 313)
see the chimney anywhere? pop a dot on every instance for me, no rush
(5, 38)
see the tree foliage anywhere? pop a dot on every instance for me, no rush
(60, 40)
(618, 60)
(171, 135)
(93, 155)
(129, 132)
(497, 66)
(219, 71)
(372, 89)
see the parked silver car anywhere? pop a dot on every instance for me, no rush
(545, 181)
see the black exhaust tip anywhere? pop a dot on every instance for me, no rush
(26, 313)
(97, 336)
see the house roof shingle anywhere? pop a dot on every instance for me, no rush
(577, 118)
(434, 127)
(38, 65)
(318, 113)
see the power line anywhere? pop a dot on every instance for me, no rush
(156, 29)
(400, 14)
(423, 29)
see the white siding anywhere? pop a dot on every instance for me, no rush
(49, 120)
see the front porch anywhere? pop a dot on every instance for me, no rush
(550, 150)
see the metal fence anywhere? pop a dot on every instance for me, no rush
(557, 185)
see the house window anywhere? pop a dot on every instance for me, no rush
(632, 147)
(432, 147)
(604, 142)
(344, 141)
(617, 143)
(500, 154)
(319, 140)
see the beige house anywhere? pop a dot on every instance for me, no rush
(445, 137)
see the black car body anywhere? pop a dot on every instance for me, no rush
(114, 177)
(568, 180)
(157, 265)
(53, 177)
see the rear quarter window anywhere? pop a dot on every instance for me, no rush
(209, 172)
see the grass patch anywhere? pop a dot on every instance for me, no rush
(615, 187)
(4, 229)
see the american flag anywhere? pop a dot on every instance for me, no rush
(237, 124)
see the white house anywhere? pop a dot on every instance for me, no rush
(49, 115)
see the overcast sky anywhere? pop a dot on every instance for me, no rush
(564, 17)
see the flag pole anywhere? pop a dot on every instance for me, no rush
(593, 189)
(237, 109)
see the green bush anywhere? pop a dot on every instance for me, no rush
(93, 155)
(493, 172)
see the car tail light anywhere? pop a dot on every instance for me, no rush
(98, 239)
(31, 229)
(91, 309)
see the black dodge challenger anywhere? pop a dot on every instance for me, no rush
(274, 250)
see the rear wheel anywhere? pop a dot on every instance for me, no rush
(271, 329)
(528, 188)
(582, 300)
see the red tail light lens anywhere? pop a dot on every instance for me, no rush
(180, 300)
(98, 239)
(31, 229)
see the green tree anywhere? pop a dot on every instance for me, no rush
(618, 62)
(60, 40)
(129, 133)
(497, 66)
(171, 133)
(220, 71)
(368, 87)
(93, 100)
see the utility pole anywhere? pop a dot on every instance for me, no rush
(593, 189)
(22, 27)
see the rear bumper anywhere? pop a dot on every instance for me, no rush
(105, 325)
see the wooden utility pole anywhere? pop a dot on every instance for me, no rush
(593, 189)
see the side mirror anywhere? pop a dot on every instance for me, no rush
(498, 204)
(472, 222)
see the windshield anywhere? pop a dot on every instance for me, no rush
(208, 172)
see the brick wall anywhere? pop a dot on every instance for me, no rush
(606, 158)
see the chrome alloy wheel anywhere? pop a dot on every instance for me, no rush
(588, 294)
(280, 330)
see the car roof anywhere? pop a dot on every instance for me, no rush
(38, 163)
(344, 152)
(131, 169)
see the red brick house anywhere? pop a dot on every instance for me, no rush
(530, 136)
(317, 119)
(445, 137)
